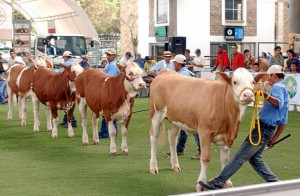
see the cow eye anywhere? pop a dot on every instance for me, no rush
(130, 74)
(235, 83)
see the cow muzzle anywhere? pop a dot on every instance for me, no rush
(137, 82)
(246, 95)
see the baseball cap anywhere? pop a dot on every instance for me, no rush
(110, 51)
(85, 57)
(147, 58)
(167, 53)
(274, 69)
(179, 58)
(128, 53)
(138, 54)
(67, 53)
(197, 50)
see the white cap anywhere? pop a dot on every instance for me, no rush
(179, 58)
(274, 69)
(284, 54)
(110, 51)
(67, 53)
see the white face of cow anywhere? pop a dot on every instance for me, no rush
(134, 81)
(76, 68)
(39, 62)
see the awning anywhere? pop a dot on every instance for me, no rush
(68, 16)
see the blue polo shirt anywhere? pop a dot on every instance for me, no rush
(270, 114)
(159, 66)
(111, 69)
(141, 62)
(67, 63)
(184, 72)
(84, 65)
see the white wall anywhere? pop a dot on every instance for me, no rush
(193, 22)
(143, 27)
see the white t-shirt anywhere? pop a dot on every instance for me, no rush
(18, 59)
(124, 61)
(198, 60)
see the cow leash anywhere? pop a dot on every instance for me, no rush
(140, 111)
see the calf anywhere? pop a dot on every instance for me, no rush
(213, 109)
(111, 96)
(56, 90)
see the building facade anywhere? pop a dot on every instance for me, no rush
(251, 24)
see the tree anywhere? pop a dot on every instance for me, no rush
(104, 14)
(130, 23)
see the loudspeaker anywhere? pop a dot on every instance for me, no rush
(177, 45)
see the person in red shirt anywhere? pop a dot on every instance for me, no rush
(237, 58)
(222, 60)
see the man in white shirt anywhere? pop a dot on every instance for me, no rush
(198, 63)
(14, 59)
(126, 58)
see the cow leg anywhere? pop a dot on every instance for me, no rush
(124, 132)
(20, 107)
(70, 128)
(224, 157)
(55, 120)
(36, 107)
(10, 100)
(82, 109)
(95, 120)
(48, 115)
(112, 135)
(23, 110)
(156, 122)
(173, 135)
(205, 142)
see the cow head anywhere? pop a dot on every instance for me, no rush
(76, 67)
(38, 62)
(243, 84)
(133, 77)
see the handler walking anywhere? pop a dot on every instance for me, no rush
(273, 113)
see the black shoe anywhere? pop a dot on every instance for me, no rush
(209, 185)
(103, 135)
(178, 153)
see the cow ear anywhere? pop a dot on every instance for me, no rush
(223, 77)
(30, 60)
(120, 67)
(49, 65)
(261, 77)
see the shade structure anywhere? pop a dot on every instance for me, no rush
(66, 16)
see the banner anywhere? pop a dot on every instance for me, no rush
(22, 37)
(5, 21)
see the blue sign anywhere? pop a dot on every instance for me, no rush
(234, 33)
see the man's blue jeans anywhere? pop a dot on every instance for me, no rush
(182, 138)
(103, 132)
(248, 152)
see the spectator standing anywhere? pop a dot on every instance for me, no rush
(277, 59)
(126, 58)
(84, 62)
(189, 60)
(67, 57)
(14, 59)
(198, 63)
(2, 71)
(139, 60)
(237, 58)
(104, 62)
(222, 60)
(273, 113)
(111, 69)
(148, 64)
(247, 59)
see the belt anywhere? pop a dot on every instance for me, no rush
(265, 125)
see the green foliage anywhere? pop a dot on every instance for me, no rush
(104, 14)
(36, 164)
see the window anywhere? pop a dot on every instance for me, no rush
(161, 12)
(234, 10)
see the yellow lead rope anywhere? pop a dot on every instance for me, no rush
(255, 116)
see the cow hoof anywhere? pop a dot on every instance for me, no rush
(85, 143)
(96, 142)
(71, 136)
(113, 153)
(54, 136)
(49, 130)
(124, 152)
(228, 184)
(9, 119)
(23, 124)
(176, 169)
(199, 188)
(153, 171)
(36, 131)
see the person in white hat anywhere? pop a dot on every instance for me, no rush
(274, 113)
(67, 57)
(84, 62)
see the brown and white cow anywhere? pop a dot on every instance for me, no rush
(112, 96)
(19, 83)
(213, 109)
(56, 90)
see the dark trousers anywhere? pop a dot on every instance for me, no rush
(182, 140)
(104, 129)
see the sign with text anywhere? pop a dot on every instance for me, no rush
(234, 33)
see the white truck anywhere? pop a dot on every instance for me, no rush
(52, 47)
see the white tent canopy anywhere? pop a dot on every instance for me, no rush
(68, 16)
